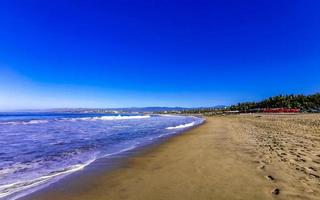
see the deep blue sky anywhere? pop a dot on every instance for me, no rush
(156, 53)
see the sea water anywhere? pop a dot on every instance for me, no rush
(37, 149)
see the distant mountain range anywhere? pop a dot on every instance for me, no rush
(120, 110)
(153, 109)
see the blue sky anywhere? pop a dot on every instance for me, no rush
(156, 53)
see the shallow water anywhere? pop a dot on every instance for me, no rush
(39, 148)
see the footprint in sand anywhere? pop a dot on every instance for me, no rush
(314, 175)
(276, 191)
(269, 177)
(311, 169)
(316, 161)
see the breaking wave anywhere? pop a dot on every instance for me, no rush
(40, 121)
(6, 190)
(182, 126)
(40, 151)
(119, 117)
(106, 118)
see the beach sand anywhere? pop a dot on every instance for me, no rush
(228, 157)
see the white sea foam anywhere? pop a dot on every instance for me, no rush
(121, 151)
(182, 126)
(107, 118)
(35, 121)
(20, 182)
(119, 117)
(9, 189)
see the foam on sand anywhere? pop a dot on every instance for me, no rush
(8, 189)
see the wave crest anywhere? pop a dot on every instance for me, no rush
(9, 189)
(35, 121)
(182, 126)
(107, 118)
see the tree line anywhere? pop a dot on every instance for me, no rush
(302, 102)
(305, 103)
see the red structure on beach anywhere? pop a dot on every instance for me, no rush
(280, 110)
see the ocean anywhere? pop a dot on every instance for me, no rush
(37, 149)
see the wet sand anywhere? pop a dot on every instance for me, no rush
(228, 157)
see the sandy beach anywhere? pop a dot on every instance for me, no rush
(228, 157)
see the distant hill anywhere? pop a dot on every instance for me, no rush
(162, 109)
(155, 109)
(150, 109)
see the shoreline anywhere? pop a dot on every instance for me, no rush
(221, 159)
(105, 164)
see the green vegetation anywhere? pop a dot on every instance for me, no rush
(305, 103)
(310, 103)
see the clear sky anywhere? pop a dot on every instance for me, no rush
(119, 53)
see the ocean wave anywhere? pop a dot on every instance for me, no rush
(182, 126)
(9, 189)
(35, 121)
(102, 118)
(19, 178)
(20, 186)
(109, 118)
(120, 151)
(119, 117)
